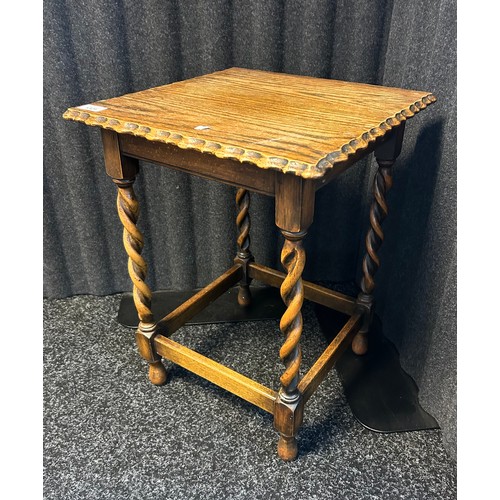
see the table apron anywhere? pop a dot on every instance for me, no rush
(205, 165)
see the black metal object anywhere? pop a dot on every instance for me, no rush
(382, 396)
(266, 304)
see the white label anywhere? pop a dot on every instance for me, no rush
(202, 127)
(92, 107)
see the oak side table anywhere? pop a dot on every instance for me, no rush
(281, 135)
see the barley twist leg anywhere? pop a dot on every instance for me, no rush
(133, 241)
(293, 259)
(243, 256)
(371, 261)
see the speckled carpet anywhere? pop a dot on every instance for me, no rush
(110, 434)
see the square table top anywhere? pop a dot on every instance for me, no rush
(297, 124)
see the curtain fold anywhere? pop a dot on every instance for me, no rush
(102, 48)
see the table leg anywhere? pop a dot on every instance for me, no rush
(289, 407)
(243, 255)
(386, 155)
(294, 214)
(128, 211)
(371, 262)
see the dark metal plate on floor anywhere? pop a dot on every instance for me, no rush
(382, 396)
(266, 304)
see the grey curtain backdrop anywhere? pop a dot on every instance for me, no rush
(103, 48)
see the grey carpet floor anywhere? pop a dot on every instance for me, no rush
(110, 434)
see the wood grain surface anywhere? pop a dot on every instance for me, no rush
(218, 374)
(290, 123)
